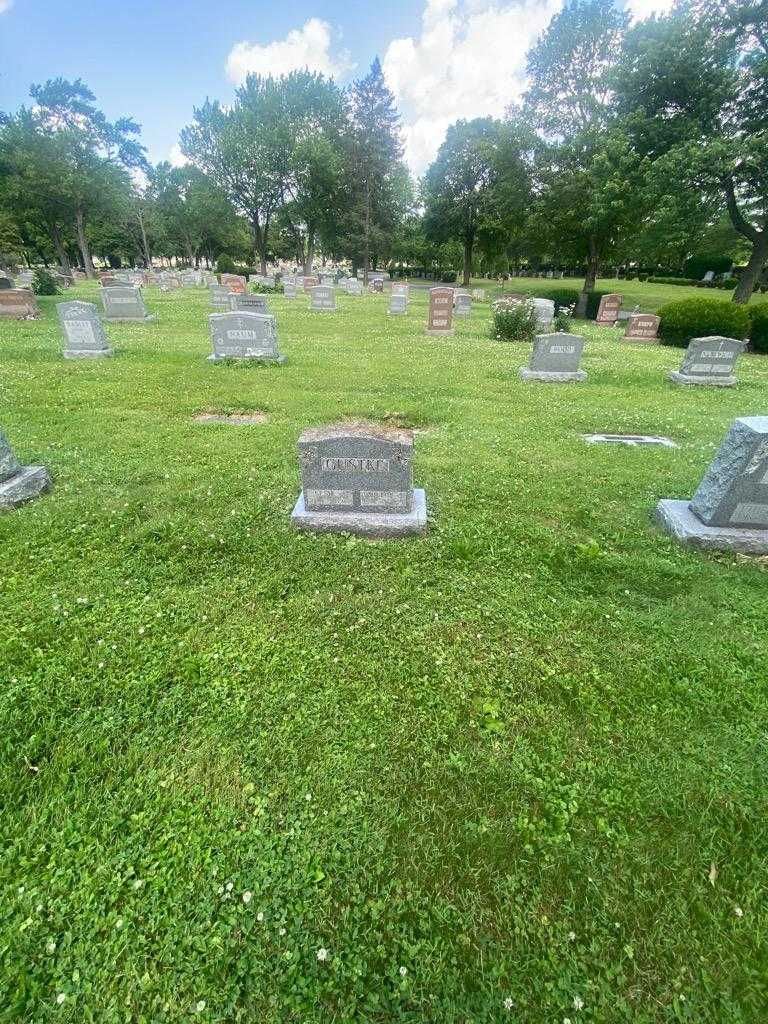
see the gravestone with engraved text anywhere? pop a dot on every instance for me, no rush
(84, 336)
(244, 336)
(440, 315)
(555, 357)
(709, 362)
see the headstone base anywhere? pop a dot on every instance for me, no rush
(23, 486)
(89, 353)
(246, 359)
(708, 382)
(677, 519)
(551, 375)
(365, 524)
(130, 319)
(440, 332)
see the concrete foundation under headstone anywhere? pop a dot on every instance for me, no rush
(19, 484)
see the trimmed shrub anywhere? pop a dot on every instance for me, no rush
(225, 265)
(728, 283)
(560, 296)
(43, 283)
(448, 277)
(256, 288)
(690, 281)
(700, 318)
(758, 334)
(697, 265)
(514, 320)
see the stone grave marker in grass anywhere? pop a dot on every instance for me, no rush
(19, 483)
(440, 315)
(124, 303)
(709, 362)
(84, 336)
(234, 282)
(729, 511)
(358, 478)
(323, 298)
(245, 302)
(462, 304)
(545, 310)
(609, 309)
(219, 296)
(18, 304)
(244, 336)
(398, 304)
(642, 327)
(555, 357)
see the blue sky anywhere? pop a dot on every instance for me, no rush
(155, 61)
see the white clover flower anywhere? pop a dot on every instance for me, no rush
(282, 931)
(200, 1006)
(247, 896)
(260, 916)
(322, 954)
(61, 997)
(230, 886)
(738, 912)
(308, 796)
(403, 971)
(571, 936)
(578, 1003)
(50, 946)
(508, 1003)
(119, 923)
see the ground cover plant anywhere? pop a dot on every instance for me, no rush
(515, 770)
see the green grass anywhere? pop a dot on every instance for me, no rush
(503, 757)
(649, 297)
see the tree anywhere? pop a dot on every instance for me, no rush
(696, 85)
(478, 179)
(375, 172)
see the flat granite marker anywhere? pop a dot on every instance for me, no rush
(359, 479)
(555, 357)
(609, 309)
(729, 511)
(642, 327)
(83, 331)
(462, 304)
(245, 302)
(244, 336)
(323, 298)
(440, 316)
(124, 303)
(709, 362)
(19, 483)
(18, 304)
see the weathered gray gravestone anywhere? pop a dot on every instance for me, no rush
(440, 315)
(729, 511)
(84, 336)
(245, 302)
(124, 303)
(244, 336)
(462, 304)
(398, 304)
(642, 327)
(545, 311)
(555, 357)
(323, 298)
(709, 362)
(219, 296)
(289, 289)
(359, 479)
(400, 288)
(19, 483)
(354, 287)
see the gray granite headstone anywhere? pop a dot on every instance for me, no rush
(462, 304)
(19, 483)
(729, 511)
(398, 304)
(709, 362)
(83, 331)
(289, 289)
(244, 336)
(709, 276)
(124, 302)
(545, 311)
(354, 287)
(400, 288)
(323, 298)
(358, 479)
(245, 302)
(219, 296)
(555, 357)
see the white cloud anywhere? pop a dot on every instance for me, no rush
(305, 47)
(5, 5)
(641, 9)
(175, 157)
(468, 62)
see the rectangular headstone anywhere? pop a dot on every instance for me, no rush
(709, 276)
(709, 362)
(219, 296)
(323, 298)
(18, 304)
(245, 302)
(244, 336)
(642, 327)
(235, 282)
(354, 287)
(478, 294)
(609, 309)
(555, 357)
(462, 304)
(124, 302)
(440, 315)
(377, 285)
(545, 311)
(398, 304)
(19, 484)
(400, 288)
(289, 289)
(84, 336)
(308, 284)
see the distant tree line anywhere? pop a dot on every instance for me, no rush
(640, 145)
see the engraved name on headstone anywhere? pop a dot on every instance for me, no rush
(440, 316)
(729, 510)
(219, 296)
(244, 336)
(709, 362)
(323, 298)
(245, 302)
(642, 327)
(358, 478)
(124, 302)
(84, 336)
(462, 304)
(555, 357)
(609, 309)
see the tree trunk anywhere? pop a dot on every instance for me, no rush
(144, 242)
(593, 265)
(260, 241)
(61, 252)
(468, 244)
(367, 231)
(82, 242)
(751, 274)
(309, 251)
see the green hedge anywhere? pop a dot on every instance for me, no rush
(700, 318)
(758, 315)
(44, 283)
(570, 296)
(689, 281)
(697, 266)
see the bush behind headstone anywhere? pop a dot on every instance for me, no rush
(702, 318)
(43, 283)
(758, 316)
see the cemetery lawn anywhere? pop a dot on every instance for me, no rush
(502, 772)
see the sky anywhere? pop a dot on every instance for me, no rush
(155, 62)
